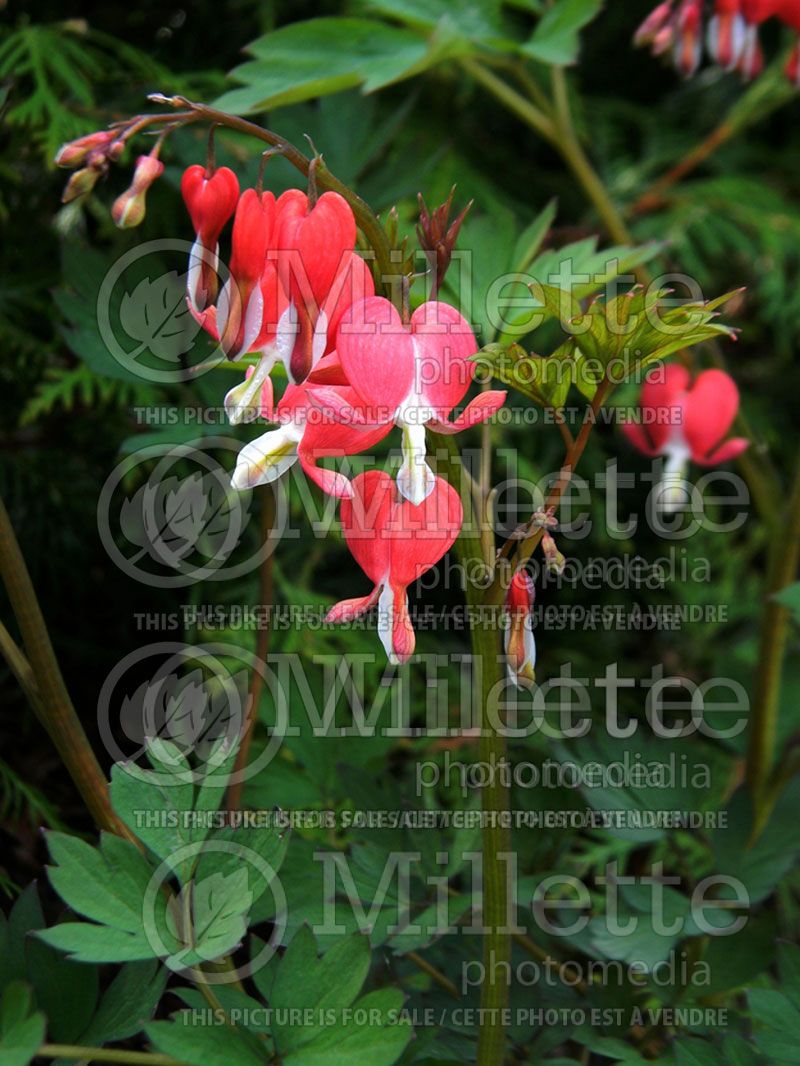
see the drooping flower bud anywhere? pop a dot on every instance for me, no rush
(689, 43)
(80, 184)
(654, 24)
(76, 153)
(520, 643)
(554, 560)
(128, 210)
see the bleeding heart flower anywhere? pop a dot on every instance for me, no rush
(304, 432)
(240, 308)
(410, 376)
(520, 643)
(683, 421)
(352, 283)
(210, 199)
(311, 244)
(395, 542)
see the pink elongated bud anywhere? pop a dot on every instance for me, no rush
(689, 43)
(654, 24)
(664, 40)
(725, 37)
(128, 210)
(751, 61)
(520, 643)
(81, 183)
(76, 153)
(554, 560)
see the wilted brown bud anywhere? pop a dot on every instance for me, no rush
(437, 235)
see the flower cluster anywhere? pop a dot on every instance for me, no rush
(298, 294)
(731, 35)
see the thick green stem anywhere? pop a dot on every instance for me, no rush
(53, 705)
(784, 558)
(495, 834)
(571, 149)
(496, 840)
(561, 135)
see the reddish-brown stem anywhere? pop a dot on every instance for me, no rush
(571, 459)
(653, 198)
(366, 219)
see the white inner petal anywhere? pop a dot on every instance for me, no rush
(386, 620)
(415, 479)
(254, 316)
(266, 458)
(242, 402)
(671, 491)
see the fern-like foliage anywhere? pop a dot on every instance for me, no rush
(57, 72)
(79, 386)
(20, 799)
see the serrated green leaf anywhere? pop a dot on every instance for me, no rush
(777, 1024)
(530, 240)
(321, 56)
(305, 980)
(206, 1045)
(97, 943)
(218, 905)
(555, 39)
(360, 1043)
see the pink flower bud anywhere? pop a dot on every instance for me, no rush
(554, 560)
(520, 643)
(76, 153)
(128, 209)
(653, 24)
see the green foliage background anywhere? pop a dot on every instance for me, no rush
(65, 416)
